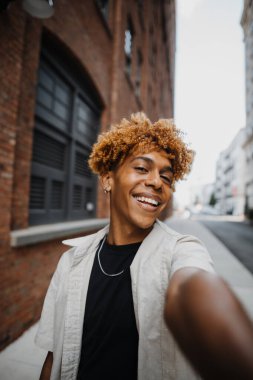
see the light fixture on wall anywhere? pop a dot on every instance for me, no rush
(39, 8)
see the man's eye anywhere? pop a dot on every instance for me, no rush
(167, 179)
(141, 169)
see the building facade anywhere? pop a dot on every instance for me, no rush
(64, 80)
(230, 177)
(247, 25)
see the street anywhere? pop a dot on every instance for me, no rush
(236, 236)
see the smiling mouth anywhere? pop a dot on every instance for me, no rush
(147, 201)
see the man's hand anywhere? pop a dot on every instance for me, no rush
(210, 325)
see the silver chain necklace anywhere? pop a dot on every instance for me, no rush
(99, 262)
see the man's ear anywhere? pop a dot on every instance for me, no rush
(105, 180)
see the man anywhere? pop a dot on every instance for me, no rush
(103, 316)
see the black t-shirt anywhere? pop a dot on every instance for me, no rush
(110, 336)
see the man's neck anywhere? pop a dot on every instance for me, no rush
(120, 235)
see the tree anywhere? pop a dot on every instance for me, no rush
(213, 200)
(247, 210)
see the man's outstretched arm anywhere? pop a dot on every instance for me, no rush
(210, 325)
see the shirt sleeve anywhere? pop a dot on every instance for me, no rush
(191, 252)
(45, 334)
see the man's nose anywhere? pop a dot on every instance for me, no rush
(154, 180)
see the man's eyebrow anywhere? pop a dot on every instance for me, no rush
(150, 161)
(167, 169)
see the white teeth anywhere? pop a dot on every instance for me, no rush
(147, 200)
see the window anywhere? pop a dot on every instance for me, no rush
(103, 5)
(151, 36)
(140, 12)
(162, 96)
(66, 125)
(138, 73)
(129, 36)
(150, 97)
(53, 98)
(153, 59)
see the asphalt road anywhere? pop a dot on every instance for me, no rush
(236, 236)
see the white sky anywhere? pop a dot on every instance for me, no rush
(210, 87)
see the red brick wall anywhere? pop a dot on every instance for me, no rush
(29, 61)
(25, 275)
(99, 49)
(11, 50)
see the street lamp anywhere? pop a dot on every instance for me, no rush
(4, 5)
(39, 8)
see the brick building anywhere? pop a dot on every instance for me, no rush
(63, 80)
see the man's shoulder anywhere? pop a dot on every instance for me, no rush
(79, 241)
(177, 238)
(85, 240)
(79, 247)
(167, 231)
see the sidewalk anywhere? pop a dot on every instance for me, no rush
(22, 360)
(225, 263)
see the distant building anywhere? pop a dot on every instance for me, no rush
(230, 177)
(200, 194)
(219, 188)
(247, 25)
(63, 80)
(207, 193)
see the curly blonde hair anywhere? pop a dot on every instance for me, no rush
(139, 134)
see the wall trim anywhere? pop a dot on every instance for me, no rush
(47, 232)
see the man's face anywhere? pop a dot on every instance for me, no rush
(140, 189)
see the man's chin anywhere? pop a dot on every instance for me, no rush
(146, 224)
